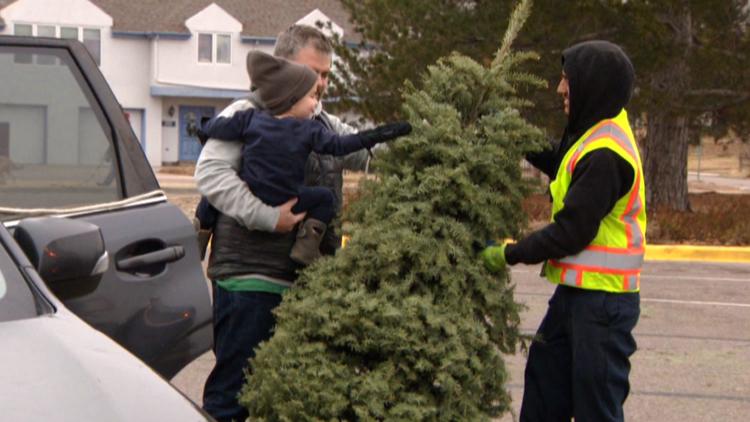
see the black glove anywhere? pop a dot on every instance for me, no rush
(384, 133)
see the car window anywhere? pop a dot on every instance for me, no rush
(16, 299)
(55, 143)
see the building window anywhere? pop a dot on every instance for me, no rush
(90, 37)
(214, 48)
(46, 31)
(68, 32)
(23, 29)
(205, 48)
(223, 49)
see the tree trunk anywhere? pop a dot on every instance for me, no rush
(665, 153)
(666, 145)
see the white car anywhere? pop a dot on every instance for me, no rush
(54, 366)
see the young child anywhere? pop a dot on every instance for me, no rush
(278, 141)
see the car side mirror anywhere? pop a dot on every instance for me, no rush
(62, 249)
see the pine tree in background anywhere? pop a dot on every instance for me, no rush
(409, 35)
(405, 323)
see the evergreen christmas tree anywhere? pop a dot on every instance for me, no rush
(405, 323)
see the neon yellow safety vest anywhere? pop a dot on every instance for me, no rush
(613, 260)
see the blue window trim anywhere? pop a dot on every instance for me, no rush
(197, 92)
(152, 34)
(246, 39)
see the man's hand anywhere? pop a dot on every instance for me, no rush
(287, 219)
(494, 258)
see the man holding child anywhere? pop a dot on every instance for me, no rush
(249, 263)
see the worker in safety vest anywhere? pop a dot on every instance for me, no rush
(578, 365)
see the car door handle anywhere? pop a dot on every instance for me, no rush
(163, 256)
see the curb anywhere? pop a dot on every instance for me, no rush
(178, 186)
(736, 254)
(168, 181)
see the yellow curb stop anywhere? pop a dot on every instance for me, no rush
(737, 254)
(697, 253)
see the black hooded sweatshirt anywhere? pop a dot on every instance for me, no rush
(600, 78)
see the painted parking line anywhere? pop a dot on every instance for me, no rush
(670, 394)
(697, 278)
(697, 302)
(670, 301)
(646, 276)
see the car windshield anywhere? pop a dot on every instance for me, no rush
(16, 298)
(55, 144)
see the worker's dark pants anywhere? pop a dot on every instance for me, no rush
(579, 363)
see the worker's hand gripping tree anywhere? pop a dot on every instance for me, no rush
(405, 323)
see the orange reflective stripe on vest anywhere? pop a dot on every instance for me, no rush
(572, 275)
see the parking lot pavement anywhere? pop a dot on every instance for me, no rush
(693, 358)
(192, 378)
(713, 182)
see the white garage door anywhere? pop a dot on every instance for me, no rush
(27, 132)
(93, 145)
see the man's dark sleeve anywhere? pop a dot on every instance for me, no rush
(599, 180)
(543, 160)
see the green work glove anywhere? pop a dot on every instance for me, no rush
(494, 258)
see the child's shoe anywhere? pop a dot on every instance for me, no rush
(306, 248)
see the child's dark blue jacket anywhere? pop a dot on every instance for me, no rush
(276, 150)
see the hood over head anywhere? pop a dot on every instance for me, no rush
(600, 77)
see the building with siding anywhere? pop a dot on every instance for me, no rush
(170, 63)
